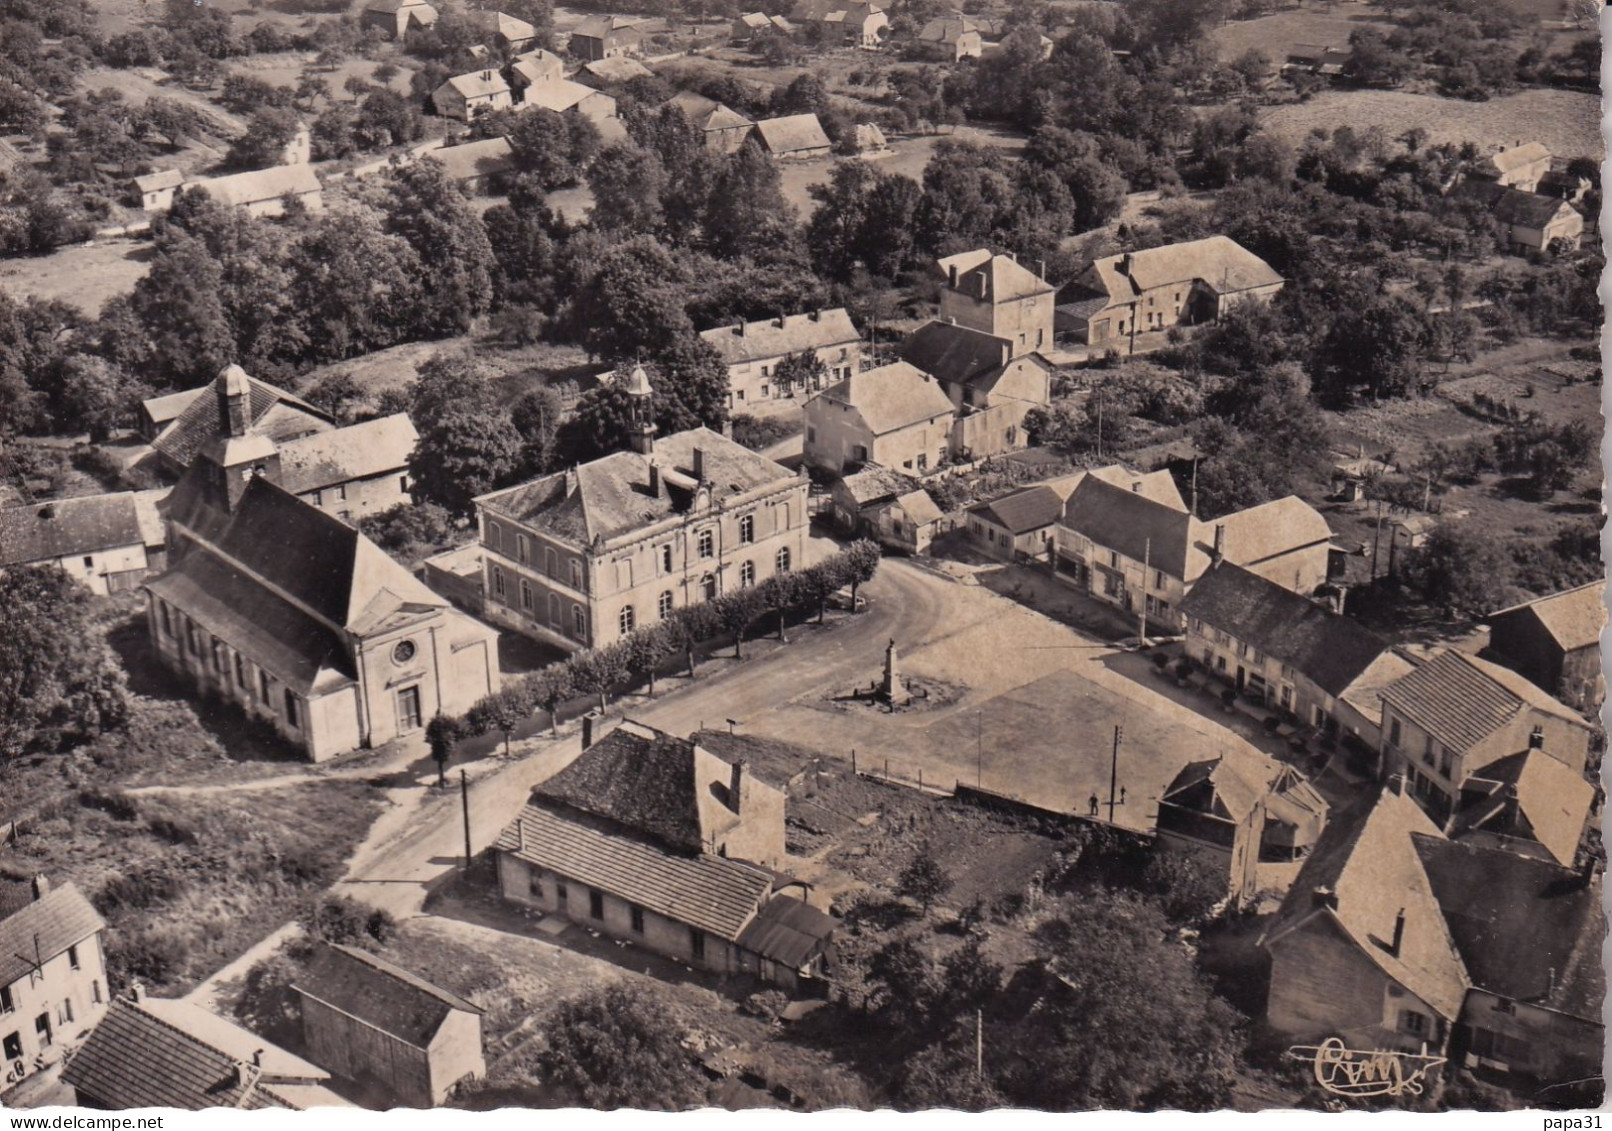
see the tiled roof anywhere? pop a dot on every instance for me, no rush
(1549, 801)
(478, 84)
(558, 95)
(788, 931)
(534, 66)
(379, 993)
(1574, 618)
(504, 25)
(705, 891)
(920, 508)
(463, 162)
(1371, 868)
(767, 338)
(946, 29)
(136, 1058)
(1022, 511)
(161, 179)
(1526, 929)
(261, 184)
(955, 354)
(1219, 262)
(358, 451)
(616, 69)
(611, 496)
(1364, 693)
(1130, 522)
(992, 278)
(1330, 649)
(874, 483)
(1461, 700)
(61, 918)
(792, 133)
(1516, 157)
(1514, 205)
(69, 527)
(890, 397)
(271, 412)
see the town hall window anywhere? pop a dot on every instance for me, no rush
(706, 543)
(747, 528)
(783, 560)
(523, 548)
(576, 574)
(526, 595)
(495, 536)
(666, 558)
(747, 575)
(578, 622)
(664, 604)
(240, 671)
(498, 581)
(626, 620)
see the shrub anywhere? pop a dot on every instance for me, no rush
(343, 920)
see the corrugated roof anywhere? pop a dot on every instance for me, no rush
(1219, 262)
(270, 411)
(1023, 511)
(765, 338)
(788, 931)
(261, 184)
(64, 528)
(792, 133)
(953, 353)
(889, 398)
(1460, 700)
(611, 496)
(709, 892)
(379, 993)
(1574, 618)
(1329, 649)
(358, 451)
(61, 918)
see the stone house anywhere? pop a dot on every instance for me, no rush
(996, 295)
(1122, 296)
(1522, 166)
(155, 191)
(888, 507)
(752, 350)
(53, 987)
(1529, 222)
(503, 30)
(1019, 525)
(533, 67)
(657, 841)
(793, 137)
(396, 18)
(371, 1021)
(264, 192)
(467, 97)
(606, 37)
(894, 416)
(170, 1053)
(1555, 641)
(952, 38)
(288, 612)
(580, 558)
(1448, 720)
(992, 387)
(725, 130)
(566, 97)
(98, 540)
(863, 25)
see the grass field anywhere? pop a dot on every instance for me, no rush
(1566, 121)
(1276, 34)
(84, 275)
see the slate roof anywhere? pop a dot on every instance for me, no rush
(788, 931)
(358, 451)
(464, 162)
(890, 397)
(1573, 618)
(875, 483)
(705, 891)
(955, 354)
(792, 133)
(1220, 263)
(69, 527)
(1360, 863)
(1526, 929)
(1329, 649)
(992, 278)
(1023, 511)
(61, 918)
(261, 184)
(558, 95)
(765, 338)
(271, 411)
(611, 496)
(1547, 801)
(379, 993)
(1460, 700)
(136, 1058)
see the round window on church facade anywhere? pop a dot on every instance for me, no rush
(404, 652)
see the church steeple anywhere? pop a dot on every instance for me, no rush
(641, 398)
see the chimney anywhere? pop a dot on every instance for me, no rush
(1399, 933)
(1136, 487)
(781, 321)
(47, 512)
(654, 479)
(1536, 739)
(257, 1058)
(1325, 897)
(953, 274)
(1124, 267)
(699, 464)
(41, 887)
(817, 315)
(570, 481)
(1220, 543)
(137, 992)
(735, 786)
(739, 329)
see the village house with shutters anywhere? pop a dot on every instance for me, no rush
(582, 557)
(660, 842)
(863, 25)
(53, 985)
(894, 416)
(992, 386)
(1401, 939)
(107, 543)
(752, 350)
(387, 1029)
(467, 97)
(1555, 642)
(1121, 297)
(891, 508)
(534, 66)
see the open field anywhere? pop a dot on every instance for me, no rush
(286, 68)
(1568, 122)
(139, 84)
(519, 370)
(83, 275)
(1276, 34)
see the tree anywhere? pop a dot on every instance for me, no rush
(803, 371)
(536, 416)
(904, 984)
(864, 217)
(1374, 345)
(923, 879)
(94, 396)
(438, 221)
(551, 687)
(968, 981)
(268, 131)
(632, 302)
(59, 683)
(737, 610)
(627, 182)
(467, 445)
(1462, 567)
(359, 286)
(599, 670)
(440, 735)
(861, 560)
(943, 1076)
(180, 309)
(502, 711)
(619, 1047)
(648, 648)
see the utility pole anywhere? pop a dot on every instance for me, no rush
(979, 750)
(1147, 567)
(1099, 425)
(979, 1044)
(1113, 773)
(464, 802)
(1192, 508)
(1376, 541)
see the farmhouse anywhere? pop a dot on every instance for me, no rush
(752, 351)
(396, 18)
(752, 25)
(894, 416)
(796, 136)
(503, 30)
(863, 25)
(1528, 221)
(53, 986)
(888, 507)
(535, 66)
(658, 841)
(155, 191)
(1520, 167)
(992, 387)
(996, 295)
(566, 97)
(1450, 719)
(1318, 59)
(952, 38)
(1121, 296)
(98, 540)
(725, 130)
(265, 192)
(1481, 955)
(1555, 642)
(154, 1052)
(371, 1021)
(606, 37)
(1022, 524)
(465, 97)
(582, 557)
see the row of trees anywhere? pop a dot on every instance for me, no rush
(647, 650)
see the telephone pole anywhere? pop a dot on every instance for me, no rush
(1147, 568)
(1113, 774)
(464, 802)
